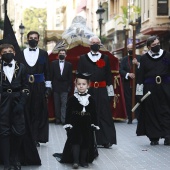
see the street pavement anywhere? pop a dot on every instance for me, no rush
(130, 153)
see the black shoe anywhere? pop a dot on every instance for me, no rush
(75, 166)
(37, 144)
(6, 167)
(108, 145)
(154, 143)
(129, 122)
(84, 165)
(167, 141)
(57, 122)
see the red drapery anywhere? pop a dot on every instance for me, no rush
(118, 103)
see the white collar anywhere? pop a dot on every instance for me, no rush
(31, 57)
(94, 58)
(83, 100)
(157, 56)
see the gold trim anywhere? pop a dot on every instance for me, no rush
(116, 81)
(114, 71)
(121, 119)
(116, 100)
(31, 78)
(96, 84)
(158, 80)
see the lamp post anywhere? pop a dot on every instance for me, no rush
(21, 30)
(100, 11)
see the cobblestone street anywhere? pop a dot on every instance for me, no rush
(130, 153)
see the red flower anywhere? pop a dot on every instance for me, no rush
(100, 63)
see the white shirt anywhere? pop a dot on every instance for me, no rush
(94, 58)
(9, 71)
(61, 64)
(31, 57)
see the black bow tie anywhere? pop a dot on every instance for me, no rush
(32, 49)
(61, 61)
(153, 55)
(94, 54)
(8, 64)
(84, 94)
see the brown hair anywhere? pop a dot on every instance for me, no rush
(2, 46)
(63, 49)
(33, 32)
(88, 81)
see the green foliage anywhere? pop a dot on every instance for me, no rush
(124, 17)
(103, 39)
(1, 24)
(125, 11)
(35, 20)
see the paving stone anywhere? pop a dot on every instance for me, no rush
(130, 153)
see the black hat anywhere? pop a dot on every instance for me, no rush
(83, 75)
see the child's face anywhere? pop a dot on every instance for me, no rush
(82, 85)
(7, 50)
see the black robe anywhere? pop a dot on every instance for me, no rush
(28, 151)
(107, 132)
(126, 67)
(37, 103)
(81, 133)
(154, 120)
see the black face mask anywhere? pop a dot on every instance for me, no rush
(8, 57)
(95, 47)
(130, 52)
(155, 49)
(61, 57)
(32, 43)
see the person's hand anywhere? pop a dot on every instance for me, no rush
(47, 92)
(19, 108)
(138, 98)
(110, 98)
(131, 75)
(135, 61)
(94, 128)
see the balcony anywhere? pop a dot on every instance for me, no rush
(112, 25)
(156, 26)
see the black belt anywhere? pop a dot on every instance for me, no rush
(81, 113)
(157, 80)
(12, 90)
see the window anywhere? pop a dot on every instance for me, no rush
(162, 7)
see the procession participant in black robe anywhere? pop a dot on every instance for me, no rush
(37, 65)
(80, 121)
(14, 95)
(154, 76)
(101, 89)
(127, 74)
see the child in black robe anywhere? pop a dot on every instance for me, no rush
(80, 122)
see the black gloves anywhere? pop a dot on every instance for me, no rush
(47, 92)
(110, 98)
(93, 128)
(19, 108)
(138, 98)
